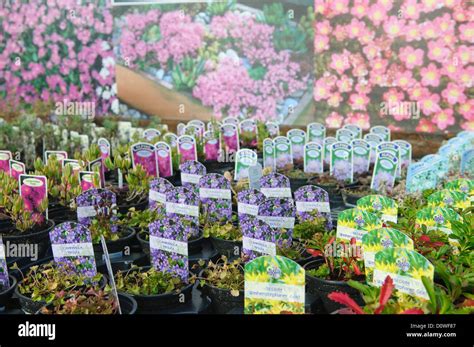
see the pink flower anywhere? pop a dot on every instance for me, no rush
(430, 104)
(412, 31)
(405, 80)
(334, 120)
(377, 14)
(321, 43)
(454, 94)
(393, 96)
(467, 109)
(437, 51)
(339, 6)
(443, 119)
(339, 62)
(410, 9)
(466, 32)
(358, 101)
(429, 30)
(321, 90)
(411, 57)
(393, 26)
(425, 126)
(430, 75)
(359, 8)
(360, 119)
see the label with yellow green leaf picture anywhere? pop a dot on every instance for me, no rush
(354, 223)
(462, 185)
(384, 207)
(449, 198)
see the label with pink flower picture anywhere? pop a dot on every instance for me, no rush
(165, 159)
(313, 158)
(34, 192)
(104, 147)
(60, 155)
(230, 137)
(187, 148)
(89, 180)
(382, 131)
(385, 171)
(360, 156)
(76, 166)
(405, 156)
(248, 133)
(144, 154)
(297, 138)
(315, 132)
(199, 124)
(5, 157)
(244, 159)
(341, 162)
(212, 146)
(283, 154)
(4, 279)
(151, 134)
(344, 135)
(17, 168)
(273, 129)
(171, 139)
(374, 140)
(269, 154)
(328, 142)
(356, 130)
(230, 120)
(214, 126)
(99, 167)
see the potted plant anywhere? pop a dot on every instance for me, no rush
(225, 236)
(6, 292)
(331, 185)
(312, 224)
(294, 250)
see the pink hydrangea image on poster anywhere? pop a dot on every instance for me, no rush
(33, 190)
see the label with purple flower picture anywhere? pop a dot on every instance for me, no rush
(374, 140)
(5, 157)
(183, 202)
(269, 154)
(75, 165)
(191, 173)
(341, 162)
(230, 120)
(96, 204)
(99, 167)
(4, 279)
(344, 135)
(275, 185)
(180, 129)
(244, 159)
(467, 163)
(273, 129)
(356, 130)
(212, 146)
(360, 156)
(104, 147)
(159, 187)
(312, 200)
(248, 201)
(171, 139)
(297, 139)
(216, 197)
(406, 268)
(328, 142)
(89, 180)
(385, 171)
(382, 131)
(315, 132)
(17, 168)
(60, 155)
(165, 159)
(151, 134)
(405, 156)
(230, 137)
(383, 206)
(421, 176)
(169, 247)
(144, 154)
(391, 147)
(248, 133)
(187, 148)
(279, 213)
(34, 192)
(283, 154)
(313, 158)
(355, 223)
(72, 248)
(258, 238)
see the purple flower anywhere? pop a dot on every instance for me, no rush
(254, 228)
(308, 194)
(217, 208)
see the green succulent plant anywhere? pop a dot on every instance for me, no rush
(274, 15)
(186, 73)
(290, 38)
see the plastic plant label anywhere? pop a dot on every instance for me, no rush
(244, 159)
(344, 135)
(273, 129)
(194, 131)
(328, 142)
(4, 279)
(169, 247)
(5, 157)
(198, 123)
(382, 206)
(437, 218)
(212, 146)
(230, 120)
(297, 139)
(75, 165)
(360, 156)
(98, 166)
(151, 134)
(374, 140)
(216, 197)
(462, 185)
(341, 162)
(17, 168)
(379, 239)
(255, 175)
(89, 180)
(191, 173)
(180, 129)
(439, 164)
(108, 264)
(405, 267)
(315, 132)
(313, 158)
(449, 198)
(275, 185)
(182, 204)
(159, 187)
(283, 154)
(258, 238)
(230, 137)
(382, 131)
(420, 176)
(165, 159)
(356, 130)
(355, 223)
(60, 155)
(453, 155)
(385, 171)
(104, 147)
(467, 163)
(144, 154)
(97, 204)
(269, 154)
(248, 133)
(274, 285)
(310, 201)
(34, 191)
(279, 213)
(72, 248)
(405, 155)
(247, 203)
(171, 139)
(187, 148)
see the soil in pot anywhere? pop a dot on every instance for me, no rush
(332, 187)
(218, 167)
(6, 293)
(322, 288)
(353, 194)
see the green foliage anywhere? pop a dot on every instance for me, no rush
(305, 230)
(140, 220)
(92, 301)
(290, 38)
(218, 8)
(274, 15)
(186, 73)
(227, 231)
(223, 274)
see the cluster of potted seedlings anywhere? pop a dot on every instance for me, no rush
(362, 229)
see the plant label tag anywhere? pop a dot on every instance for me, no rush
(341, 162)
(106, 258)
(384, 207)
(360, 156)
(255, 175)
(34, 192)
(313, 158)
(247, 203)
(187, 148)
(165, 159)
(17, 168)
(5, 157)
(315, 132)
(283, 154)
(212, 146)
(385, 171)
(245, 158)
(4, 279)
(230, 137)
(273, 129)
(248, 133)
(297, 139)
(151, 134)
(269, 154)
(311, 200)
(275, 185)
(216, 197)
(258, 238)
(98, 167)
(89, 180)
(144, 154)
(355, 223)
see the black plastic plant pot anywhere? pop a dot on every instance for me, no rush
(218, 167)
(322, 288)
(37, 236)
(128, 305)
(231, 249)
(175, 180)
(149, 304)
(60, 213)
(117, 246)
(6, 293)
(350, 195)
(194, 244)
(222, 301)
(296, 183)
(124, 207)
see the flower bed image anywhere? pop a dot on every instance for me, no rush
(405, 64)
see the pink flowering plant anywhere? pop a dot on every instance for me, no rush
(395, 62)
